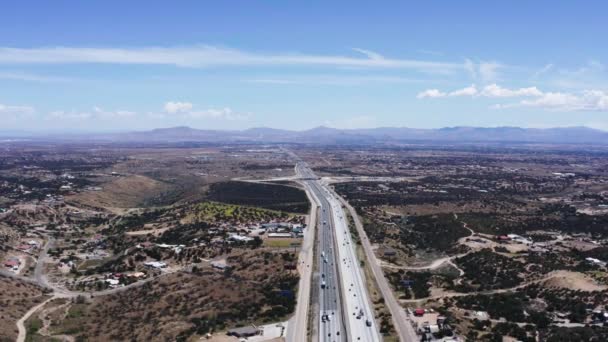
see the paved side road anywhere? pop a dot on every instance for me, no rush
(298, 325)
(400, 321)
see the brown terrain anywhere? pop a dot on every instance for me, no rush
(181, 304)
(16, 298)
(122, 192)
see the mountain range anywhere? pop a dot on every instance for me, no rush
(327, 135)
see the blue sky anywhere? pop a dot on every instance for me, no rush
(118, 65)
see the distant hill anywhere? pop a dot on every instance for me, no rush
(327, 135)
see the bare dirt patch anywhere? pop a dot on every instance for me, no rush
(124, 192)
(573, 281)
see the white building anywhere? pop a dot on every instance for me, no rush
(279, 235)
(155, 264)
(240, 238)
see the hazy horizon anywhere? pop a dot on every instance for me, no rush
(115, 131)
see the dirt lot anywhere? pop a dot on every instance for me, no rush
(573, 281)
(123, 192)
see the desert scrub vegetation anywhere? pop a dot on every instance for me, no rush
(220, 212)
(486, 270)
(256, 289)
(416, 285)
(438, 232)
(16, 298)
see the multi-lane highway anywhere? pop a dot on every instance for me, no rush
(402, 324)
(345, 311)
(330, 320)
(357, 305)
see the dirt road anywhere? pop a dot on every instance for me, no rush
(21, 322)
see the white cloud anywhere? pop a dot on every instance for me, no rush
(28, 77)
(104, 114)
(208, 56)
(591, 67)
(177, 110)
(95, 113)
(186, 110)
(15, 110)
(554, 101)
(335, 80)
(370, 54)
(431, 93)
(494, 90)
(588, 100)
(69, 115)
(592, 74)
(470, 67)
(221, 113)
(488, 71)
(467, 91)
(482, 71)
(11, 115)
(545, 69)
(177, 107)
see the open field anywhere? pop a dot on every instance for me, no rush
(123, 192)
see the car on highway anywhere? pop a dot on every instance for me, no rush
(360, 314)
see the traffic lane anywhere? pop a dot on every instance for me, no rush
(328, 329)
(331, 307)
(357, 284)
(330, 228)
(323, 296)
(327, 243)
(358, 300)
